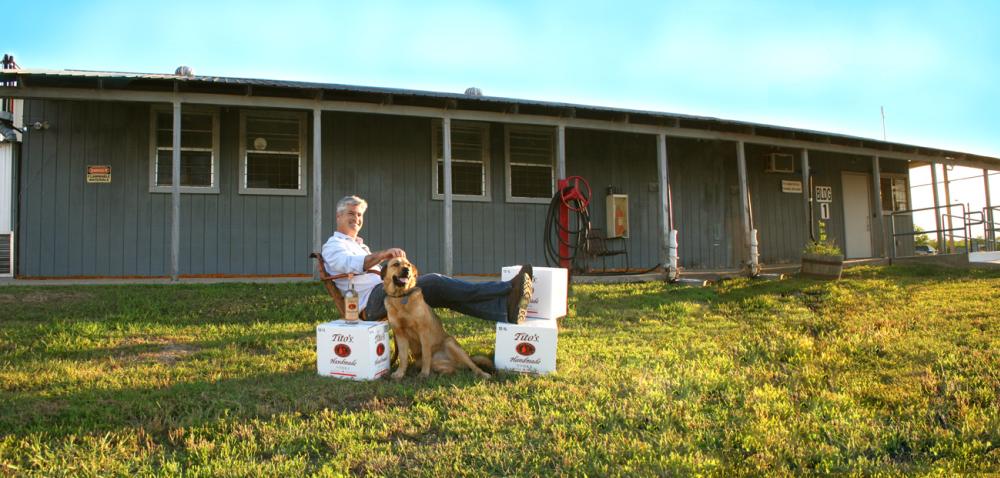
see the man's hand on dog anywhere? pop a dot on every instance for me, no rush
(379, 257)
(392, 253)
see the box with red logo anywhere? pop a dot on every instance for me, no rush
(529, 347)
(548, 299)
(357, 350)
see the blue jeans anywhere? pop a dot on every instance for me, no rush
(486, 300)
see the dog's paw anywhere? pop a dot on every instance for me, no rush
(425, 374)
(397, 375)
(484, 375)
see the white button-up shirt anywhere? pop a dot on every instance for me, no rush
(343, 255)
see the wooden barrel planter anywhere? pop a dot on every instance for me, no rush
(822, 267)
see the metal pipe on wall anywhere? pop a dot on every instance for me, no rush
(175, 195)
(448, 230)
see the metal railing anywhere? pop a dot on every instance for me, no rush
(964, 230)
(990, 229)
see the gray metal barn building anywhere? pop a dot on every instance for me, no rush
(86, 189)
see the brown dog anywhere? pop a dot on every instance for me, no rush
(418, 329)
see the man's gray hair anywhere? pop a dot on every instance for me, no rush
(348, 201)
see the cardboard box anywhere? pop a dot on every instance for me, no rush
(548, 299)
(528, 348)
(356, 350)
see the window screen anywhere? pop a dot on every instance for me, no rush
(530, 153)
(273, 158)
(197, 136)
(469, 159)
(894, 194)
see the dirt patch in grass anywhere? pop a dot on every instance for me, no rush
(170, 354)
(43, 297)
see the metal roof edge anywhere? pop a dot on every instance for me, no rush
(301, 85)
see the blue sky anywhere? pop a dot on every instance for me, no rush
(820, 65)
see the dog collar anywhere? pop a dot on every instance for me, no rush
(406, 296)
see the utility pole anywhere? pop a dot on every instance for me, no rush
(883, 122)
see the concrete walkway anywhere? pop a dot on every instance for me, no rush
(985, 257)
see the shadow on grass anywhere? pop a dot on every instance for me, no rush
(171, 305)
(157, 410)
(257, 343)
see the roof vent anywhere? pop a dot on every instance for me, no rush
(473, 91)
(184, 71)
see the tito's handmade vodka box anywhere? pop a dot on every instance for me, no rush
(355, 350)
(548, 299)
(529, 347)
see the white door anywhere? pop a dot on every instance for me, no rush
(857, 216)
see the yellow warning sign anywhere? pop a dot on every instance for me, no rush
(99, 174)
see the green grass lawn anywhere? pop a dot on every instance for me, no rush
(891, 370)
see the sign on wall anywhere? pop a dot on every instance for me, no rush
(824, 210)
(789, 186)
(99, 174)
(824, 194)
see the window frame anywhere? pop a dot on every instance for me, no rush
(154, 150)
(893, 177)
(484, 129)
(507, 164)
(303, 188)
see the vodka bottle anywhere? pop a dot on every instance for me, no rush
(351, 301)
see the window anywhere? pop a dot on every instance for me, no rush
(272, 159)
(199, 151)
(470, 161)
(530, 154)
(894, 193)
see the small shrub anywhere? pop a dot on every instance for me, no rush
(822, 248)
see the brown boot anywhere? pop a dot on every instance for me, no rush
(521, 287)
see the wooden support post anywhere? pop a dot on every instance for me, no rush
(317, 182)
(807, 194)
(947, 204)
(937, 206)
(175, 195)
(990, 238)
(665, 204)
(560, 152)
(448, 230)
(877, 190)
(741, 165)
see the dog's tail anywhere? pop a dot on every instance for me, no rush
(484, 363)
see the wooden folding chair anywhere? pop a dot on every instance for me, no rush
(331, 288)
(338, 297)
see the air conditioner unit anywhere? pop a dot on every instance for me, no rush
(780, 163)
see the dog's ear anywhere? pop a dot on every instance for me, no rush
(382, 268)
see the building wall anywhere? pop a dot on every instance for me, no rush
(779, 217)
(705, 190)
(71, 228)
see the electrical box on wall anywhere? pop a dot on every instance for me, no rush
(617, 215)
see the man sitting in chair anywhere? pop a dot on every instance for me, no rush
(345, 252)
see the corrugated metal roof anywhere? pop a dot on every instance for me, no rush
(363, 89)
(335, 87)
